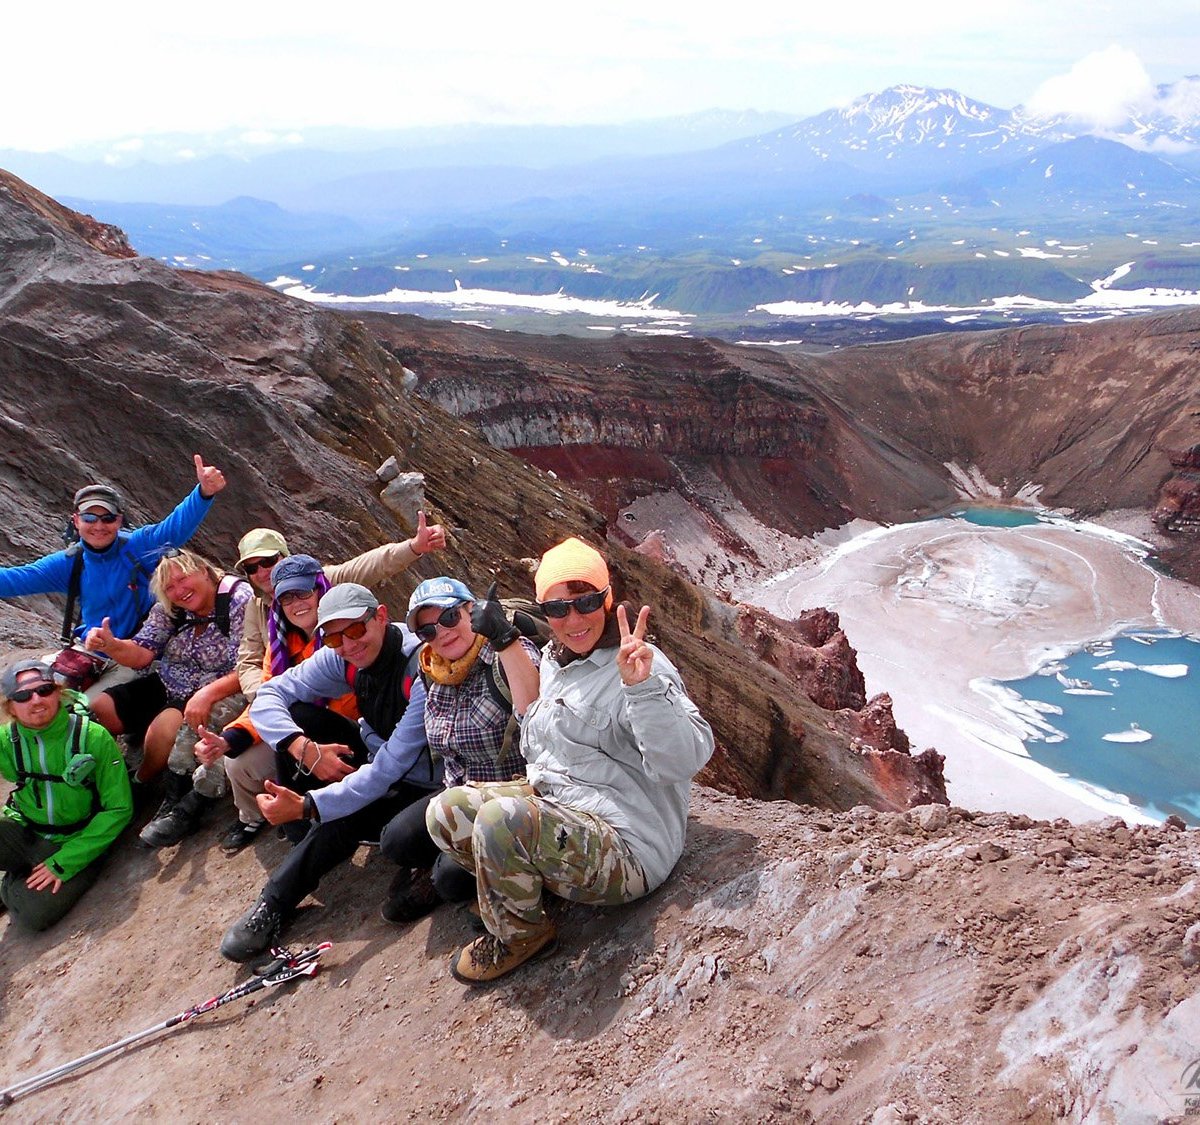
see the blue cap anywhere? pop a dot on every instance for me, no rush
(296, 573)
(439, 592)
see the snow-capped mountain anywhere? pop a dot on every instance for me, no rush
(906, 129)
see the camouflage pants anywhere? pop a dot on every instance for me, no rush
(518, 843)
(209, 781)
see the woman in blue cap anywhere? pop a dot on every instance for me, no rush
(478, 668)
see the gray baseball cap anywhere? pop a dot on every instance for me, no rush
(9, 681)
(344, 602)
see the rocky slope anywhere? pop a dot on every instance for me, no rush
(800, 966)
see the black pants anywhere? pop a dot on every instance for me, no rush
(406, 842)
(22, 849)
(332, 842)
(321, 725)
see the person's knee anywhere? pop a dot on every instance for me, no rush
(505, 823)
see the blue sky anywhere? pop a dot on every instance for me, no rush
(133, 68)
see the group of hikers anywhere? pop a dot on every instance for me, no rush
(496, 754)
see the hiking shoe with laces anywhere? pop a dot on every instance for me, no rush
(411, 896)
(240, 835)
(253, 933)
(487, 958)
(181, 821)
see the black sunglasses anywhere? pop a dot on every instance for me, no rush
(584, 604)
(42, 691)
(252, 566)
(447, 619)
(96, 517)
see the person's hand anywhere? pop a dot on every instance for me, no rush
(634, 657)
(488, 619)
(330, 759)
(42, 878)
(99, 638)
(210, 478)
(429, 537)
(197, 709)
(279, 805)
(209, 746)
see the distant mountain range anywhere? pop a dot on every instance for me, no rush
(910, 195)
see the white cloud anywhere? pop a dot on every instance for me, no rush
(1101, 88)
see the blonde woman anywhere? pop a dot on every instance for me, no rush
(193, 631)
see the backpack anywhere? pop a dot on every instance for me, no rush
(181, 618)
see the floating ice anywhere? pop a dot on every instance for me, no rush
(1133, 734)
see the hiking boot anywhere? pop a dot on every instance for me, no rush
(253, 933)
(181, 821)
(176, 786)
(487, 958)
(411, 896)
(240, 835)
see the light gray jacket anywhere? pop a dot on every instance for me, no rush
(626, 754)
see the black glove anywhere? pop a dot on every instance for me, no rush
(488, 619)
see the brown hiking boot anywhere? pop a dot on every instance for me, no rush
(487, 958)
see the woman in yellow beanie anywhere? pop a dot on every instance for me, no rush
(611, 743)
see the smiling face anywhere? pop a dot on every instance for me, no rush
(361, 651)
(98, 535)
(38, 711)
(452, 643)
(300, 608)
(580, 632)
(195, 592)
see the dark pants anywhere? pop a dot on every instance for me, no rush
(21, 850)
(332, 842)
(406, 842)
(321, 725)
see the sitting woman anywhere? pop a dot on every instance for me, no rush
(612, 743)
(193, 632)
(297, 581)
(477, 668)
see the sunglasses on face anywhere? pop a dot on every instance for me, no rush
(97, 517)
(296, 596)
(447, 619)
(42, 691)
(253, 566)
(352, 632)
(583, 605)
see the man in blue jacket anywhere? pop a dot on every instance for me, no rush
(361, 649)
(114, 563)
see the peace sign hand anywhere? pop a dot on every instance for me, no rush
(635, 656)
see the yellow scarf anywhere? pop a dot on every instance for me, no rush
(450, 672)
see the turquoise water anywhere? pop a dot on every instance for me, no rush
(998, 517)
(1160, 774)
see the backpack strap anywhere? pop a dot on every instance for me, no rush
(181, 619)
(73, 584)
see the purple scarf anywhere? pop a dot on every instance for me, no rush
(278, 627)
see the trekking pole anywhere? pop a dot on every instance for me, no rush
(285, 966)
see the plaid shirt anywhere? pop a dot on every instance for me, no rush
(466, 725)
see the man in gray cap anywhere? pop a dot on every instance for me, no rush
(109, 568)
(70, 802)
(361, 648)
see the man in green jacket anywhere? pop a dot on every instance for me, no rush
(70, 802)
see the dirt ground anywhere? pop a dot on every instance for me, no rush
(934, 966)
